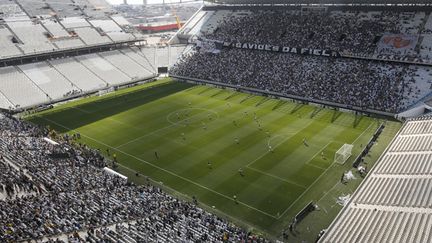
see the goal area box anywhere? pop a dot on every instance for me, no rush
(343, 154)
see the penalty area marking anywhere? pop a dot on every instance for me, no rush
(162, 169)
(277, 145)
(319, 177)
(316, 154)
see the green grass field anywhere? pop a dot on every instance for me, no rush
(189, 126)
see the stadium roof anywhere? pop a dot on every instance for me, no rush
(326, 2)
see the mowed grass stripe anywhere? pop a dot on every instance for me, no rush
(318, 135)
(191, 162)
(177, 166)
(157, 167)
(161, 119)
(112, 106)
(272, 190)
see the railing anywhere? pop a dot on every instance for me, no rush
(61, 50)
(368, 146)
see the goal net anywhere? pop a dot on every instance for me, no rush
(343, 153)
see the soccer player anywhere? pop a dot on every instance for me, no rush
(270, 148)
(241, 172)
(235, 199)
(237, 141)
(108, 151)
(305, 142)
(322, 155)
(156, 155)
(209, 165)
(183, 136)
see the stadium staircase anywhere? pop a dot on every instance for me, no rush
(421, 29)
(115, 66)
(7, 99)
(16, 37)
(89, 69)
(43, 91)
(64, 76)
(140, 52)
(134, 59)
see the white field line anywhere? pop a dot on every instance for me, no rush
(158, 130)
(277, 177)
(307, 189)
(277, 145)
(107, 118)
(327, 192)
(316, 166)
(324, 210)
(362, 133)
(145, 135)
(316, 154)
(82, 110)
(164, 170)
(316, 180)
(176, 142)
(270, 139)
(232, 218)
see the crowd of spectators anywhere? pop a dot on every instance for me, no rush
(360, 83)
(13, 181)
(65, 196)
(346, 32)
(353, 82)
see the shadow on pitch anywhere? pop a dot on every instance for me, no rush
(81, 115)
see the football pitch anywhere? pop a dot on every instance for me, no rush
(274, 156)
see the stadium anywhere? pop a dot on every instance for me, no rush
(258, 121)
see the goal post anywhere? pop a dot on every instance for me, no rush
(343, 153)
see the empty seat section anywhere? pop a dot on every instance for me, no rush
(104, 69)
(126, 65)
(19, 89)
(49, 80)
(78, 74)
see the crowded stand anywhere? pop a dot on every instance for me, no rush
(351, 33)
(337, 31)
(13, 181)
(57, 191)
(366, 84)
